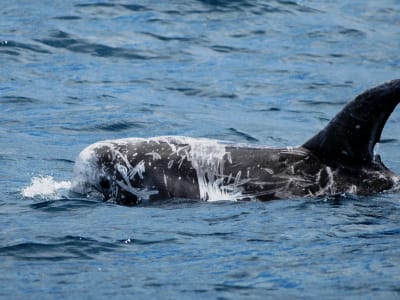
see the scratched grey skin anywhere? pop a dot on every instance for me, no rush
(338, 159)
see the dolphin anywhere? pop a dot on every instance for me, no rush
(338, 159)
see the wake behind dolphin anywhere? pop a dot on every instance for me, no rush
(338, 159)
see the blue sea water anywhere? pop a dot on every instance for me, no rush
(258, 72)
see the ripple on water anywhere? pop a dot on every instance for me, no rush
(61, 39)
(58, 249)
(143, 242)
(17, 48)
(131, 7)
(248, 137)
(65, 205)
(20, 100)
(114, 126)
(204, 91)
(120, 126)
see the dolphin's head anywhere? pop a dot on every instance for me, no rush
(91, 174)
(104, 169)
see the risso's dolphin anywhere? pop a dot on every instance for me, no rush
(338, 159)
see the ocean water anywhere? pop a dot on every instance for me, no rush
(256, 72)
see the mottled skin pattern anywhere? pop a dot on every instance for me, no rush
(160, 174)
(258, 173)
(298, 173)
(338, 159)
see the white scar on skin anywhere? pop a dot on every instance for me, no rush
(207, 158)
(154, 155)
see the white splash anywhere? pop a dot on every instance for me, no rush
(44, 186)
(396, 182)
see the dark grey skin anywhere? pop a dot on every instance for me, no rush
(338, 159)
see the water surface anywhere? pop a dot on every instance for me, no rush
(258, 72)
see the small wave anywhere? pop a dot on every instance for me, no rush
(22, 46)
(168, 38)
(119, 126)
(351, 32)
(18, 100)
(203, 91)
(59, 249)
(242, 134)
(321, 103)
(65, 205)
(148, 242)
(258, 8)
(131, 7)
(273, 109)
(110, 126)
(226, 218)
(45, 186)
(223, 235)
(67, 18)
(228, 49)
(61, 39)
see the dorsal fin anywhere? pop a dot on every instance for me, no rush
(350, 137)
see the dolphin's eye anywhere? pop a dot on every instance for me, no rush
(104, 182)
